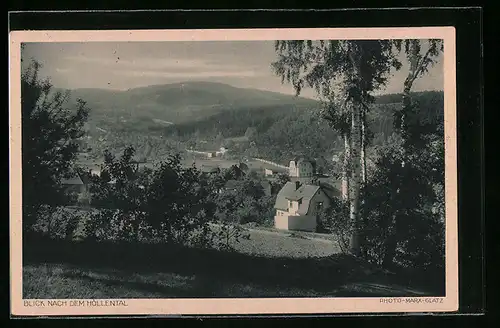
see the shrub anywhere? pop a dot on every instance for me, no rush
(58, 223)
(335, 220)
(402, 218)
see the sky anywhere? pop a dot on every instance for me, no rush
(125, 65)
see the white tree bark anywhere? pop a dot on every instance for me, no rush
(355, 177)
(345, 168)
(355, 108)
(363, 146)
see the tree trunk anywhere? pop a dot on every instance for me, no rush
(355, 178)
(391, 243)
(363, 146)
(355, 107)
(345, 166)
(390, 252)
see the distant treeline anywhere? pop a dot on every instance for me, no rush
(274, 132)
(280, 132)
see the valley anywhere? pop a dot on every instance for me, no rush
(162, 119)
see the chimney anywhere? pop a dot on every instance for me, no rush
(297, 185)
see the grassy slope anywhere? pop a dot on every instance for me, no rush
(86, 270)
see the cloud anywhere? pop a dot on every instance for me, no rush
(152, 63)
(190, 74)
(63, 70)
(170, 68)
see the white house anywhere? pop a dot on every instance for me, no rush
(298, 205)
(222, 151)
(301, 168)
(268, 172)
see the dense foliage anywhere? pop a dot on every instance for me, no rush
(49, 133)
(167, 204)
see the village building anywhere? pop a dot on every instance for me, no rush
(77, 186)
(244, 168)
(302, 168)
(73, 184)
(221, 152)
(298, 205)
(268, 188)
(268, 172)
(230, 185)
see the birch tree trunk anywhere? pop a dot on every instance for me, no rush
(354, 107)
(418, 65)
(363, 146)
(345, 167)
(355, 178)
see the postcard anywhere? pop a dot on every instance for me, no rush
(233, 171)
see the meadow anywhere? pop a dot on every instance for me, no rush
(286, 267)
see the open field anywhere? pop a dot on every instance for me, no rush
(273, 243)
(270, 242)
(223, 163)
(62, 269)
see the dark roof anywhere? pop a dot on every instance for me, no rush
(243, 167)
(214, 170)
(329, 190)
(305, 193)
(72, 180)
(85, 177)
(288, 192)
(230, 184)
(268, 189)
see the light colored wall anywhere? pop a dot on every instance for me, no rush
(293, 208)
(304, 169)
(281, 222)
(301, 223)
(292, 170)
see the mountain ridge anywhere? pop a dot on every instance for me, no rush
(180, 102)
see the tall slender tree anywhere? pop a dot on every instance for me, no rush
(420, 55)
(344, 74)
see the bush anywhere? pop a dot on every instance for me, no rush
(58, 222)
(167, 204)
(226, 235)
(336, 221)
(402, 221)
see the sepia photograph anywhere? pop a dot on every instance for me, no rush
(232, 169)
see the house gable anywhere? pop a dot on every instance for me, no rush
(281, 199)
(289, 193)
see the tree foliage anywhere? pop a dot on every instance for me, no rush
(169, 203)
(49, 141)
(119, 194)
(405, 227)
(344, 73)
(402, 203)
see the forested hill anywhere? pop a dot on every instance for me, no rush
(206, 115)
(279, 132)
(178, 102)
